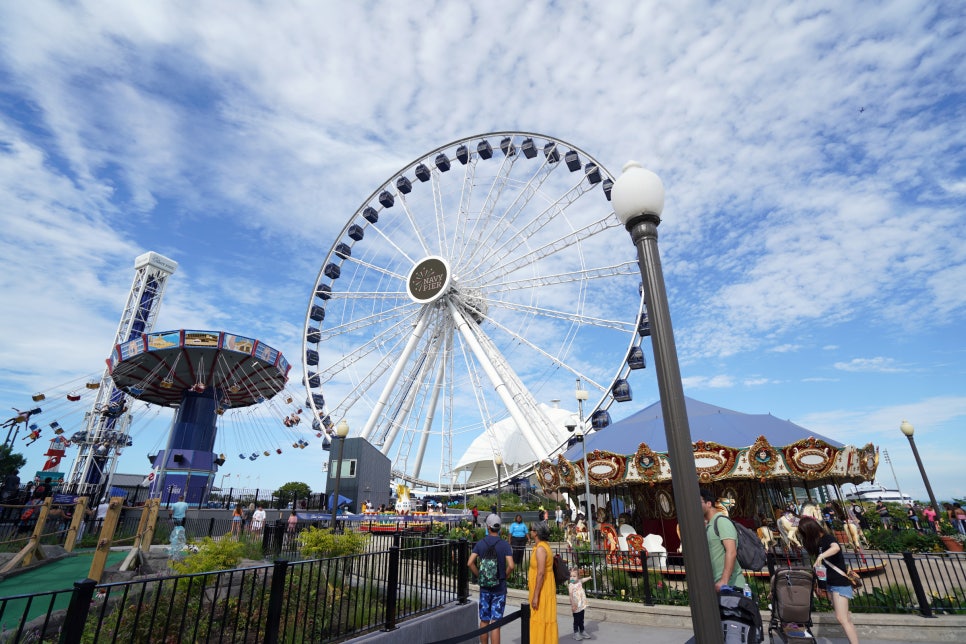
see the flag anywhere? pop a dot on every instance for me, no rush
(149, 479)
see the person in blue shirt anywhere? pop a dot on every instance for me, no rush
(518, 538)
(492, 598)
(179, 510)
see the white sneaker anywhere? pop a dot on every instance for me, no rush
(585, 635)
(578, 636)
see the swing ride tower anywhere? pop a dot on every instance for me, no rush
(200, 374)
(107, 423)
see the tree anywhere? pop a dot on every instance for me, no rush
(10, 462)
(289, 492)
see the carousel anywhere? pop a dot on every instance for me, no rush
(757, 464)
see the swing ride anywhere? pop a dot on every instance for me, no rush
(200, 374)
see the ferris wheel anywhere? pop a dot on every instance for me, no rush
(468, 292)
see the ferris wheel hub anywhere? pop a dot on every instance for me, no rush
(429, 280)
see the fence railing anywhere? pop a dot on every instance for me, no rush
(925, 583)
(403, 574)
(323, 600)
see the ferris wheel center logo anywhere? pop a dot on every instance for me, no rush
(429, 279)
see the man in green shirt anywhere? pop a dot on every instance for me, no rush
(723, 544)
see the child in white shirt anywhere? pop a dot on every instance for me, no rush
(578, 603)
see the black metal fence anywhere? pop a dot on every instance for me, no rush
(928, 584)
(402, 574)
(325, 600)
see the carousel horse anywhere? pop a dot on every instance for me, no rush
(766, 536)
(653, 544)
(610, 543)
(788, 529)
(856, 536)
(811, 510)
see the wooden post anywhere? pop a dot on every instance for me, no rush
(26, 554)
(154, 506)
(106, 537)
(134, 557)
(80, 510)
(38, 530)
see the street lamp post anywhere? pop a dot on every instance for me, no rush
(638, 200)
(907, 429)
(498, 461)
(582, 395)
(341, 431)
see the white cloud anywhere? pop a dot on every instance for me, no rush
(873, 365)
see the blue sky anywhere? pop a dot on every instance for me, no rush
(812, 153)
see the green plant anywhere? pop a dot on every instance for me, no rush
(557, 533)
(946, 528)
(212, 555)
(950, 603)
(903, 540)
(895, 598)
(319, 543)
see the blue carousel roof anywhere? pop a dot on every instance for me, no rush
(707, 422)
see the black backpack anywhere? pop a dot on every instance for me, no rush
(489, 576)
(751, 552)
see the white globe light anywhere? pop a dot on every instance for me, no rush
(637, 192)
(342, 429)
(907, 428)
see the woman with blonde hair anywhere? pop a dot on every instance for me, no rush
(543, 589)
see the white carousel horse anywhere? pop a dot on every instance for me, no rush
(856, 536)
(788, 530)
(811, 510)
(656, 552)
(766, 536)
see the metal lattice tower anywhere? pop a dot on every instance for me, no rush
(108, 422)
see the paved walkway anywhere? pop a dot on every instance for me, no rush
(610, 632)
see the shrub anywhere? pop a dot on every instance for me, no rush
(319, 543)
(903, 540)
(212, 555)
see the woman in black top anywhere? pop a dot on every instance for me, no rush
(825, 548)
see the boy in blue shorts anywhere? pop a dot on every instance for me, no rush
(492, 561)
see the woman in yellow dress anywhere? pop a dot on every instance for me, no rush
(543, 591)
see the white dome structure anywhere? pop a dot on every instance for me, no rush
(506, 439)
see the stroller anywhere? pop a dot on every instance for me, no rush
(791, 609)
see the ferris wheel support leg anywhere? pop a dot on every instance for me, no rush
(499, 384)
(412, 391)
(402, 360)
(430, 416)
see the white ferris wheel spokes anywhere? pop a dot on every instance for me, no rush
(463, 298)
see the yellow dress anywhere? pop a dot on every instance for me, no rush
(543, 622)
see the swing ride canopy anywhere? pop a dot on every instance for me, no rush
(159, 368)
(728, 445)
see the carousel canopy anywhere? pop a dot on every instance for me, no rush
(707, 422)
(728, 445)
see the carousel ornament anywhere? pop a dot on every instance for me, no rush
(762, 458)
(648, 464)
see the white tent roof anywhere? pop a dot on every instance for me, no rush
(506, 439)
